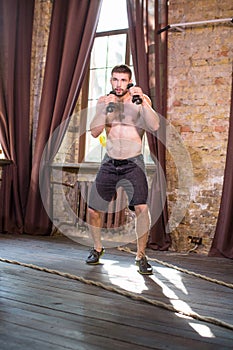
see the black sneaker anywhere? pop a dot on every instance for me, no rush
(144, 267)
(94, 256)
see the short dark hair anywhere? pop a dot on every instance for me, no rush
(122, 68)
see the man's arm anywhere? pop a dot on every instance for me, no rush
(102, 116)
(149, 115)
(98, 122)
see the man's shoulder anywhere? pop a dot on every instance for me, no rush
(101, 99)
(147, 99)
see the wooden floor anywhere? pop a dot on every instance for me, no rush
(41, 310)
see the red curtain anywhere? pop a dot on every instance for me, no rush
(222, 244)
(16, 20)
(73, 27)
(149, 51)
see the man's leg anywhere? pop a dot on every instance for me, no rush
(94, 223)
(142, 232)
(142, 228)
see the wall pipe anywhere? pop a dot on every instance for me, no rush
(194, 23)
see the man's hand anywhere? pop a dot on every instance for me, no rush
(110, 102)
(136, 91)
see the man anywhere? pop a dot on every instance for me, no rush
(125, 114)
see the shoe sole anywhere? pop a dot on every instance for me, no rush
(145, 273)
(93, 263)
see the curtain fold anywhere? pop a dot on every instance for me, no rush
(72, 31)
(149, 53)
(222, 244)
(16, 21)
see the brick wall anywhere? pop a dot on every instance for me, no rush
(41, 26)
(199, 79)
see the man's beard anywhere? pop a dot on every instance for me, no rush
(123, 93)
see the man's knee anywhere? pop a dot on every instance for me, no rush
(143, 219)
(141, 209)
(92, 215)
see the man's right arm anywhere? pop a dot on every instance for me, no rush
(98, 122)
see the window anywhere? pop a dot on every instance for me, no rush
(111, 47)
(116, 49)
(2, 156)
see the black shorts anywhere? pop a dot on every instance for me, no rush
(113, 173)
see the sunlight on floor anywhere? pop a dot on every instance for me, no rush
(203, 330)
(130, 280)
(125, 277)
(166, 291)
(175, 278)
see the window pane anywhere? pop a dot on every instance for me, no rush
(98, 53)
(2, 156)
(94, 151)
(97, 84)
(116, 49)
(146, 151)
(113, 15)
(108, 51)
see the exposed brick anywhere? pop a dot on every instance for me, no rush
(220, 128)
(199, 75)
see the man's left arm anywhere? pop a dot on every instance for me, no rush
(149, 115)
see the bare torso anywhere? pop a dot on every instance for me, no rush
(124, 135)
(124, 126)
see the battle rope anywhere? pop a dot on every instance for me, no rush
(124, 293)
(222, 283)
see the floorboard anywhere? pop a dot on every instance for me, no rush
(41, 310)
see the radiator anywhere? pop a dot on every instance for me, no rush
(115, 216)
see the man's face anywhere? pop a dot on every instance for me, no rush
(119, 83)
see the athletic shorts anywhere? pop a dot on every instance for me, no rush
(114, 173)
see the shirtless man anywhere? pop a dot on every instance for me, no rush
(125, 123)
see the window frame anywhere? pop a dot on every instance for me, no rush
(85, 88)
